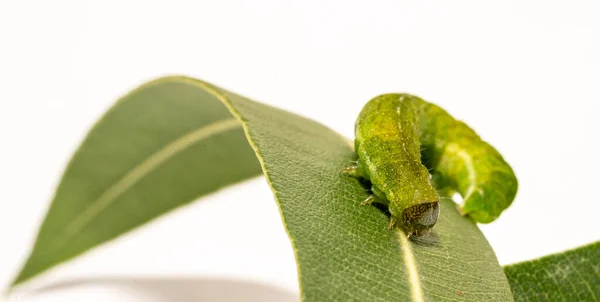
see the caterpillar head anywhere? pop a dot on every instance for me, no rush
(416, 208)
(417, 219)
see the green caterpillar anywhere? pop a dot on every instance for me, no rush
(400, 138)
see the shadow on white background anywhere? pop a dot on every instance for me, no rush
(157, 290)
(194, 253)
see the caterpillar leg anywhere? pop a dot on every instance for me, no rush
(355, 170)
(373, 198)
(352, 171)
(369, 201)
(392, 222)
(380, 195)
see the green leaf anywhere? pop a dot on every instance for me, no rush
(158, 148)
(344, 251)
(569, 276)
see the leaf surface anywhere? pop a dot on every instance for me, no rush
(573, 275)
(158, 148)
(344, 251)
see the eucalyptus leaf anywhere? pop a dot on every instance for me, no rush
(573, 275)
(149, 154)
(158, 148)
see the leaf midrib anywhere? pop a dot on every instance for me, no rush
(412, 272)
(140, 171)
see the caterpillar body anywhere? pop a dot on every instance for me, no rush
(400, 138)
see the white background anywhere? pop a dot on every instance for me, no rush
(524, 74)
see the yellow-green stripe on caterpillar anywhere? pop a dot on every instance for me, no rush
(400, 138)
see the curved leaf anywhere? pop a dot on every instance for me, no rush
(155, 150)
(344, 251)
(573, 275)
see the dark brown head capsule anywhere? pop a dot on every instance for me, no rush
(419, 218)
